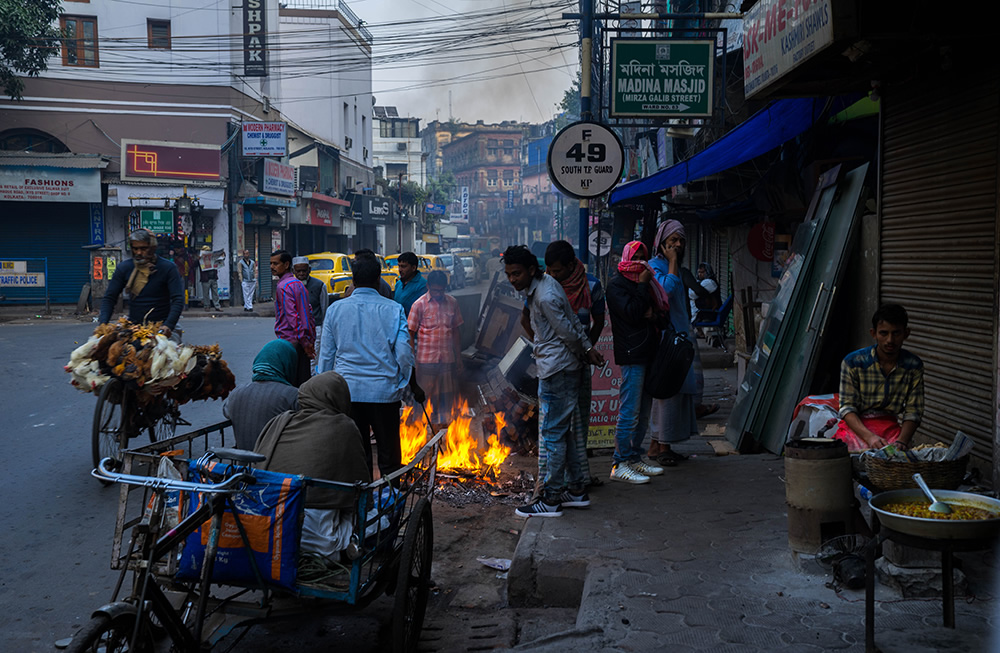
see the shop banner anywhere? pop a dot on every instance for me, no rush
(96, 224)
(44, 184)
(264, 139)
(605, 385)
(276, 177)
(376, 210)
(23, 280)
(779, 35)
(146, 160)
(320, 214)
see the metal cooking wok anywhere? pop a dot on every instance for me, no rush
(941, 529)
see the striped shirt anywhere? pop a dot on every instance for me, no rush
(293, 317)
(865, 389)
(435, 324)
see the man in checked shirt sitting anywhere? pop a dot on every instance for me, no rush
(881, 387)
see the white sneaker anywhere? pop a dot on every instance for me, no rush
(623, 472)
(648, 469)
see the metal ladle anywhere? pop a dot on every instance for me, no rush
(936, 506)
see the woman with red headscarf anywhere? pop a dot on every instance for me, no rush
(636, 302)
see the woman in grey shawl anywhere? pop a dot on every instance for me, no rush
(321, 441)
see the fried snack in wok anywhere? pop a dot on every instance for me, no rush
(958, 511)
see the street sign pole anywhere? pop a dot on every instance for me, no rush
(586, 43)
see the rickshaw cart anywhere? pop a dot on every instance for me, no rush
(390, 551)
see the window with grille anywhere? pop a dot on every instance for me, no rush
(79, 47)
(158, 33)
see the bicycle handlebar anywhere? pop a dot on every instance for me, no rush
(231, 485)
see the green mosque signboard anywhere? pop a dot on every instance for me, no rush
(661, 78)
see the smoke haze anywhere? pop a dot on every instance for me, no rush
(511, 79)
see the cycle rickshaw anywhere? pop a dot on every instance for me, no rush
(124, 412)
(390, 550)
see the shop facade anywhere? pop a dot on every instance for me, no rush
(51, 211)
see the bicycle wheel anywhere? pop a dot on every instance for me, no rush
(102, 634)
(109, 435)
(413, 584)
(163, 425)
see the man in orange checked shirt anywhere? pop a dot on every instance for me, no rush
(434, 322)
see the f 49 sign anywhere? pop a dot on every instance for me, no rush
(586, 160)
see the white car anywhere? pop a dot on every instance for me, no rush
(471, 269)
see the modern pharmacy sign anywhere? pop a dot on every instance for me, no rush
(659, 78)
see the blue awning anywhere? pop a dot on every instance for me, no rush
(778, 122)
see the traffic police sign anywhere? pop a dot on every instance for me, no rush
(586, 160)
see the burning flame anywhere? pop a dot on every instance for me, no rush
(460, 449)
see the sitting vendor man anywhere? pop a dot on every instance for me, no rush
(881, 387)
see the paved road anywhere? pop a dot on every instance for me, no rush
(57, 519)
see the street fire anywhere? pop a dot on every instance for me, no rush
(461, 450)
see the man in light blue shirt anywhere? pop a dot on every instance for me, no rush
(365, 340)
(411, 285)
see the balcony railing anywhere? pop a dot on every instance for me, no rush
(331, 5)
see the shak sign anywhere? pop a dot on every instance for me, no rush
(660, 78)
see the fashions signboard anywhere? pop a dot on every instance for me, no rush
(44, 184)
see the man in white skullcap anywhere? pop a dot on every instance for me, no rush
(318, 299)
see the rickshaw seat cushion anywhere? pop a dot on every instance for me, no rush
(270, 514)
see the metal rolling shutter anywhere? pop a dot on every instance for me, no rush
(938, 247)
(265, 285)
(53, 230)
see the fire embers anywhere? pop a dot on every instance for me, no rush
(471, 446)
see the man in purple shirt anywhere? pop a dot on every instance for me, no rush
(293, 317)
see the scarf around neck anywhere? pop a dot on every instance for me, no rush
(139, 277)
(631, 267)
(577, 288)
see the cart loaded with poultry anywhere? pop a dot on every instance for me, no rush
(141, 378)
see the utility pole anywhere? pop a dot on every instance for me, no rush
(399, 217)
(586, 46)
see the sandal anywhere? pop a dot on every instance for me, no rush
(704, 410)
(664, 460)
(670, 455)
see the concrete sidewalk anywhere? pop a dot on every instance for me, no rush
(698, 560)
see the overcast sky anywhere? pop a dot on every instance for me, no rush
(519, 64)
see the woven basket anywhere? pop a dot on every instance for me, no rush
(887, 475)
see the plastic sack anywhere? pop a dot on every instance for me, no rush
(814, 417)
(269, 513)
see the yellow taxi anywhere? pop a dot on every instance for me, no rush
(434, 262)
(333, 269)
(389, 274)
(392, 263)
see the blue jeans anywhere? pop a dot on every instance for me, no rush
(557, 399)
(633, 415)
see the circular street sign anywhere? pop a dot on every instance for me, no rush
(599, 242)
(586, 160)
